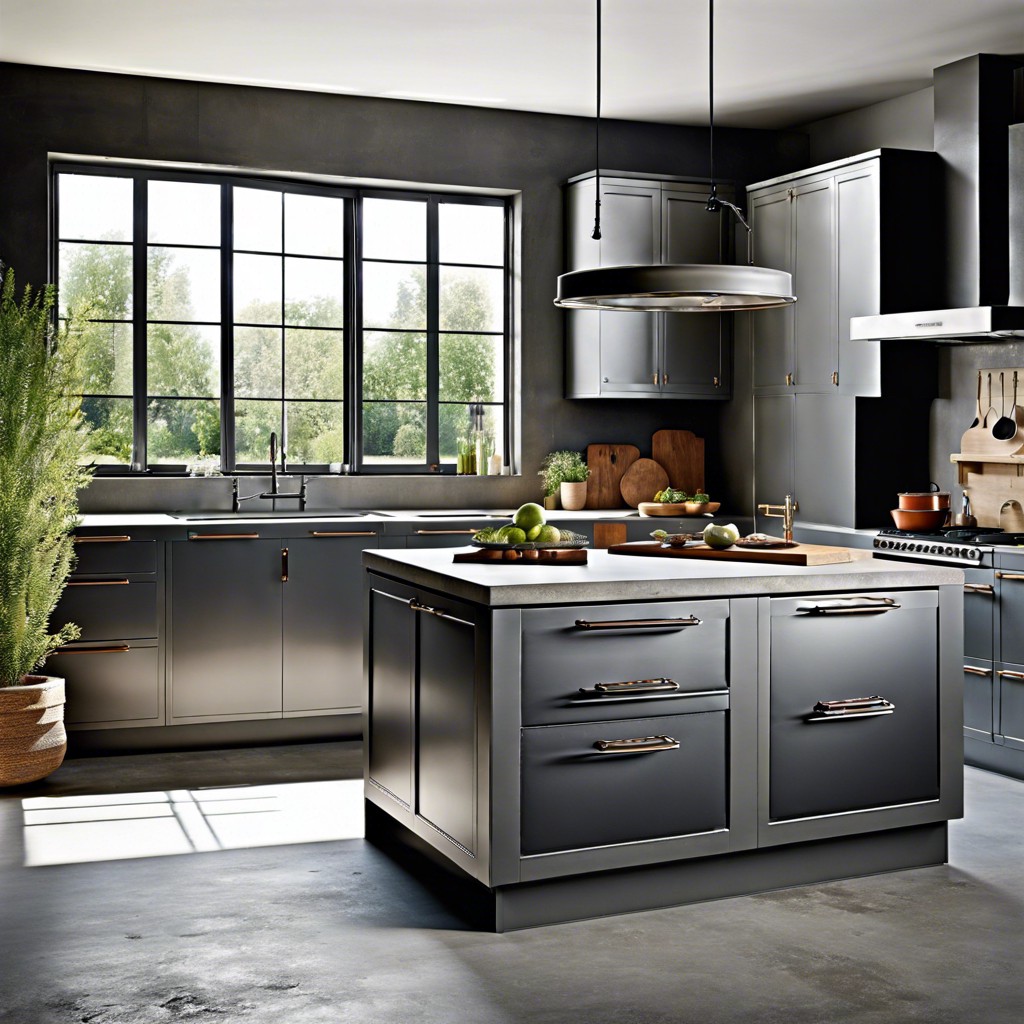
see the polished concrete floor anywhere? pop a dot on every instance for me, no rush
(93, 929)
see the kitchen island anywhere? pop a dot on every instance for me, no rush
(575, 741)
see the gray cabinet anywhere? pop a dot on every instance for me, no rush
(113, 672)
(645, 355)
(858, 236)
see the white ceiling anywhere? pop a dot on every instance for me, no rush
(778, 63)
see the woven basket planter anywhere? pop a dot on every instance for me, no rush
(32, 737)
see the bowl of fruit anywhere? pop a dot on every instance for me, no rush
(529, 530)
(671, 502)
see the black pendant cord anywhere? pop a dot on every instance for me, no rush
(597, 135)
(711, 95)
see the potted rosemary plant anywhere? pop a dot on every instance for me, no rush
(40, 448)
(566, 473)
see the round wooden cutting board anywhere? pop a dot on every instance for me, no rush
(642, 481)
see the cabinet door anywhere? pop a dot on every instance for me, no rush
(772, 329)
(979, 677)
(323, 636)
(831, 766)
(858, 276)
(1010, 582)
(1011, 705)
(225, 629)
(773, 453)
(815, 342)
(629, 354)
(979, 614)
(824, 450)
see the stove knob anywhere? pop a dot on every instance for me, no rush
(921, 547)
(973, 553)
(951, 550)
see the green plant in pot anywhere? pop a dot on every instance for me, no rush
(40, 448)
(566, 473)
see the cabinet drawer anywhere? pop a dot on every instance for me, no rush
(113, 552)
(845, 764)
(574, 796)
(1011, 704)
(119, 683)
(979, 681)
(566, 650)
(113, 608)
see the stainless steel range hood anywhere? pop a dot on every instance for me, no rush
(982, 152)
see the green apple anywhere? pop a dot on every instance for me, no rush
(528, 516)
(716, 536)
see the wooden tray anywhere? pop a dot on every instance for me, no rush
(543, 556)
(800, 554)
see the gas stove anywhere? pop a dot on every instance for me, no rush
(950, 545)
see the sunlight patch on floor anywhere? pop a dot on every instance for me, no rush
(123, 826)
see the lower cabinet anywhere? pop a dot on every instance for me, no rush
(111, 685)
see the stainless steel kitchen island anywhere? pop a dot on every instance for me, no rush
(571, 742)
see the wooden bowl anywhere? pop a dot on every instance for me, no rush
(923, 501)
(677, 508)
(916, 520)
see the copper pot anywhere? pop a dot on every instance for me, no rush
(924, 501)
(918, 520)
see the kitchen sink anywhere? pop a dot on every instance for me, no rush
(204, 517)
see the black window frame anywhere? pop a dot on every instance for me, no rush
(352, 329)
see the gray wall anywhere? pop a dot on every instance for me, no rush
(45, 111)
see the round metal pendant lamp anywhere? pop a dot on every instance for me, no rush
(676, 287)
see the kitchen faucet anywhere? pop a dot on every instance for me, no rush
(785, 513)
(273, 494)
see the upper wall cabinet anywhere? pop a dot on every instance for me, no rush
(645, 355)
(859, 237)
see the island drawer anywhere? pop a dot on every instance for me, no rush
(828, 649)
(572, 659)
(113, 552)
(108, 608)
(669, 781)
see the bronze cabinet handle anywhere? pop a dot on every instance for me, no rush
(446, 533)
(979, 588)
(223, 536)
(343, 533)
(418, 606)
(1009, 674)
(98, 583)
(971, 670)
(851, 707)
(637, 745)
(637, 686)
(587, 624)
(871, 605)
(113, 649)
(122, 538)
(1010, 575)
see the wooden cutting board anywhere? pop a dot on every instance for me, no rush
(801, 554)
(682, 454)
(642, 481)
(542, 556)
(607, 464)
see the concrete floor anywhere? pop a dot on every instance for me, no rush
(336, 932)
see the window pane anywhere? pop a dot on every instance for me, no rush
(394, 229)
(472, 368)
(395, 295)
(183, 360)
(314, 225)
(257, 284)
(315, 365)
(455, 424)
(108, 422)
(254, 422)
(257, 219)
(95, 281)
(183, 284)
(106, 358)
(92, 206)
(182, 428)
(471, 300)
(314, 292)
(394, 433)
(316, 432)
(471, 234)
(184, 212)
(258, 362)
(394, 365)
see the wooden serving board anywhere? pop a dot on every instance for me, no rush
(681, 452)
(801, 554)
(642, 481)
(607, 464)
(543, 556)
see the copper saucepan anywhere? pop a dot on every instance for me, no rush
(924, 501)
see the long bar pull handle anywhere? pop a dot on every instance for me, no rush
(979, 588)
(870, 605)
(690, 620)
(853, 707)
(121, 538)
(284, 565)
(113, 649)
(971, 670)
(343, 533)
(418, 606)
(1010, 575)
(445, 533)
(628, 686)
(637, 745)
(1010, 675)
(98, 583)
(223, 536)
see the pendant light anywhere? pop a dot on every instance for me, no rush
(676, 287)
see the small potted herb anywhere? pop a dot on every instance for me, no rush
(566, 473)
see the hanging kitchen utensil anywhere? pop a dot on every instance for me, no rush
(977, 414)
(1017, 412)
(990, 414)
(1004, 428)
